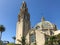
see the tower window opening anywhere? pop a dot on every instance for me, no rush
(32, 38)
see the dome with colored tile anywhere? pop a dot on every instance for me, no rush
(44, 24)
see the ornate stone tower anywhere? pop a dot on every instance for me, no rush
(23, 24)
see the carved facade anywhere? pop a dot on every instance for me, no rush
(36, 35)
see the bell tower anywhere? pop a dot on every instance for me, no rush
(23, 24)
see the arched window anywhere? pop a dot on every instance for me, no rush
(37, 27)
(32, 38)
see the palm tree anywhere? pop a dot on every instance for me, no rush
(2, 29)
(14, 38)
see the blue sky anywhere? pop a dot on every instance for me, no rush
(9, 10)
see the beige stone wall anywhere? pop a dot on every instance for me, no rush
(27, 39)
(57, 32)
(40, 38)
(19, 32)
(23, 27)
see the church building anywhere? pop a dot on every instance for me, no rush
(36, 35)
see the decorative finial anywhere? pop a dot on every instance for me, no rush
(43, 19)
(24, 4)
(23, 8)
(23, 1)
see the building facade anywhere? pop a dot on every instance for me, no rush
(35, 35)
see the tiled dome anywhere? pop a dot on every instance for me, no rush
(44, 24)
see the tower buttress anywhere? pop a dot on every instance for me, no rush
(23, 24)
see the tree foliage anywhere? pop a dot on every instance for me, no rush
(2, 29)
(53, 40)
(22, 40)
(10, 44)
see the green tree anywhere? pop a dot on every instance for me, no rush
(51, 40)
(1, 42)
(14, 38)
(58, 38)
(2, 29)
(23, 40)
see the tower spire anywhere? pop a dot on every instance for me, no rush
(24, 4)
(24, 8)
(23, 22)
